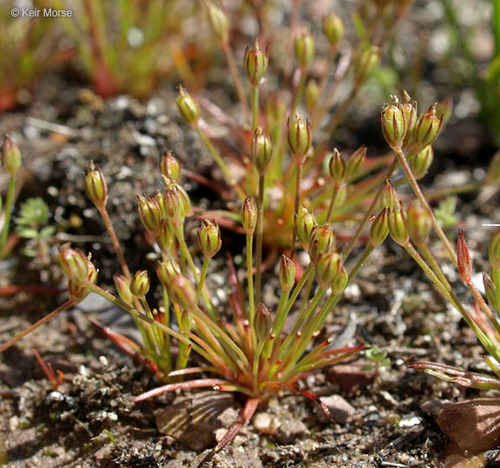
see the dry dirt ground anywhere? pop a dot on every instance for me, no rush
(381, 419)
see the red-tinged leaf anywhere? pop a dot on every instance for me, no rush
(178, 386)
(455, 374)
(463, 258)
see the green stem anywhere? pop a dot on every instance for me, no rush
(203, 276)
(8, 212)
(369, 212)
(300, 90)
(452, 298)
(222, 165)
(298, 178)
(259, 239)
(114, 240)
(251, 303)
(413, 182)
(186, 256)
(333, 199)
(255, 107)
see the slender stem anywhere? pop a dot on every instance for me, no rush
(118, 302)
(222, 165)
(8, 212)
(431, 260)
(251, 303)
(114, 240)
(333, 199)
(369, 212)
(252, 340)
(69, 303)
(255, 107)
(300, 90)
(203, 276)
(260, 235)
(236, 79)
(452, 298)
(482, 303)
(413, 182)
(186, 255)
(300, 166)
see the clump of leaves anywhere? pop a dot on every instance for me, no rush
(31, 224)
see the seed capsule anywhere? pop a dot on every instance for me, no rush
(262, 149)
(379, 230)
(427, 129)
(299, 136)
(256, 63)
(394, 124)
(287, 274)
(11, 156)
(96, 187)
(74, 264)
(249, 215)
(333, 28)
(139, 286)
(170, 166)
(209, 238)
(188, 107)
(304, 48)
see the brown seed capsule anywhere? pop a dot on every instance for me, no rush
(464, 261)
(337, 167)
(170, 166)
(249, 215)
(263, 322)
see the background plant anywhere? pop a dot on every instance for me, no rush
(30, 47)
